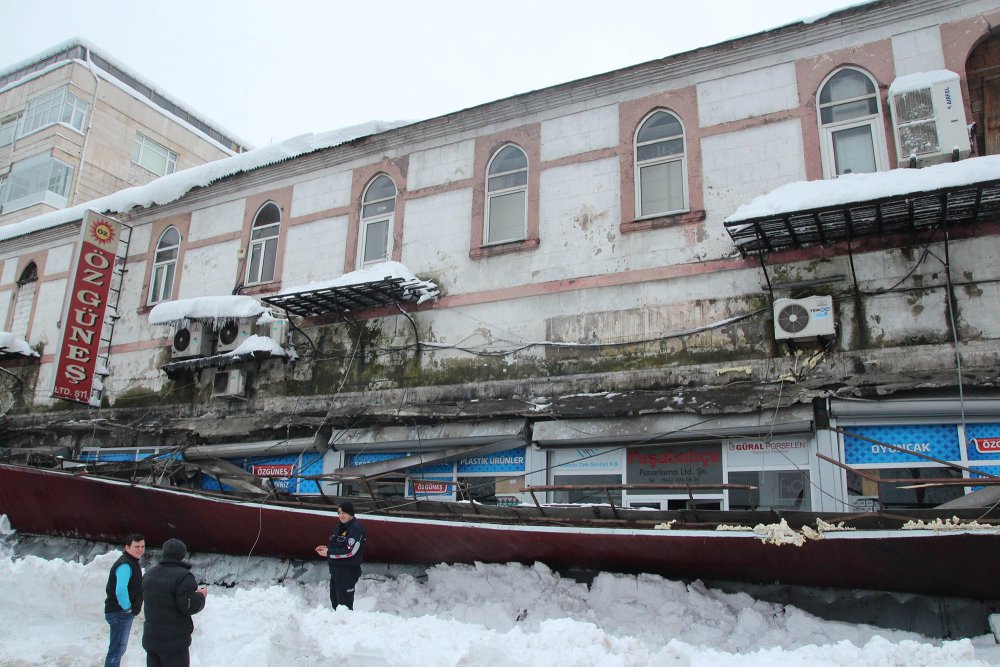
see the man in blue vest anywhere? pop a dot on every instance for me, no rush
(344, 553)
(124, 597)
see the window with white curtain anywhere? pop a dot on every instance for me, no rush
(378, 205)
(263, 251)
(506, 196)
(153, 156)
(161, 283)
(660, 166)
(852, 134)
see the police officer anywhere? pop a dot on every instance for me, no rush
(344, 553)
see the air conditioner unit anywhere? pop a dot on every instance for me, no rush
(928, 118)
(276, 330)
(232, 382)
(193, 339)
(803, 318)
(231, 335)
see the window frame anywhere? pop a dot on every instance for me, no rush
(638, 165)
(267, 245)
(54, 198)
(874, 123)
(163, 272)
(58, 102)
(503, 192)
(9, 125)
(143, 145)
(389, 218)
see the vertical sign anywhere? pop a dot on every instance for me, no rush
(83, 319)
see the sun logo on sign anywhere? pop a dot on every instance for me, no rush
(102, 231)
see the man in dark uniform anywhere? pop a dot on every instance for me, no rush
(344, 553)
(124, 597)
(172, 597)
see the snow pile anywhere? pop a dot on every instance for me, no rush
(214, 308)
(12, 343)
(421, 290)
(953, 523)
(481, 615)
(850, 188)
(261, 344)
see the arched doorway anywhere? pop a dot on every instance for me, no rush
(982, 71)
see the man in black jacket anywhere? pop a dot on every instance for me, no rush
(172, 596)
(344, 553)
(124, 597)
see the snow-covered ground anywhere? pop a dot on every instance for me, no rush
(277, 613)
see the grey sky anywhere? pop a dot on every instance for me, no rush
(269, 70)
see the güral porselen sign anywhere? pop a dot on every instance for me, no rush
(86, 306)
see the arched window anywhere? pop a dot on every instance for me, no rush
(161, 283)
(852, 135)
(263, 252)
(24, 300)
(506, 196)
(660, 165)
(377, 207)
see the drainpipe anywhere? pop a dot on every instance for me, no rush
(86, 134)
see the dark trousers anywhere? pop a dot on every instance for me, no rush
(342, 583)
(175, 659)
(121, 624)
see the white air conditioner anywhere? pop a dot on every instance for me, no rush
(803, 318)
(193, 339)
(276, 330)
(231, 335)
(928, 118)
(232, 382)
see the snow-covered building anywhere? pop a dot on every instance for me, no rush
(75, 125)
(752, 263)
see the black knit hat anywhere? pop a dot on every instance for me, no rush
(347, 507)
(174, 549)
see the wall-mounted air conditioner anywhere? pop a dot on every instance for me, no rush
(276, 330)
(231, 335)
(193, 339)
(232, 382)
(803, 318)
(928, 118)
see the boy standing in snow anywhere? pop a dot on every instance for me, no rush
(172, 597)
(344, 553)
(124, 597)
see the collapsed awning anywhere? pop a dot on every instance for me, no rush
(258, 448)
(435, 436)
(907, 212)
(347, 298)
(666, 429)
(220, 361)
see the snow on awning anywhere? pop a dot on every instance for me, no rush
(810, 213)
(214, 308)
(12, 346)
(384, 283)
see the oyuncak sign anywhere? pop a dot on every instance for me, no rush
(86, 305)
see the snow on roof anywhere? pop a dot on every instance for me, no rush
(12, 343)
(851, 188)
(425, 288)
(238, 306)
(920, 80)
(174, 186)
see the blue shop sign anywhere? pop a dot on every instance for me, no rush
(361, 458)
(982, 441)
(937, 440)
(511, 460)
